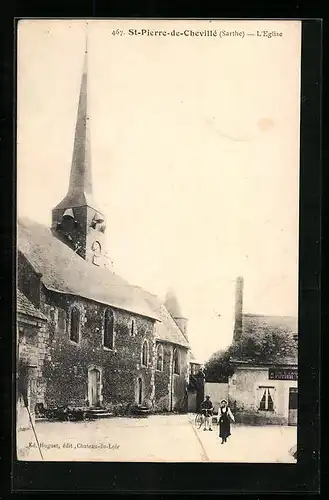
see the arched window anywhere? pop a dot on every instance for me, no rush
(145, 353)
(160, 358)
(132, 328)
(109, 329)
(139, 391)
(75, 325)
(176, 361)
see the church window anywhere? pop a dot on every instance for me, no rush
(176, 361)
(75, 325)
(132, 328)
(160, 358)
(145, 353)
(109, 329)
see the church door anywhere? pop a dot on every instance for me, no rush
(94, 387)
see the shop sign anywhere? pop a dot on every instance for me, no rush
(282, 374)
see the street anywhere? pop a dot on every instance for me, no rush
(158, 438)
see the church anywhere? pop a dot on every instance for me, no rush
(86, 337)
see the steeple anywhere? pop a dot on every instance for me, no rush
(80, 191)
(76, 220)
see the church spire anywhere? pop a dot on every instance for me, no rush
(80, 184)
(76, 220)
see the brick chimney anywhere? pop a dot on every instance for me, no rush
(238, 322)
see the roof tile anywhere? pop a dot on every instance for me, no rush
(24, 306)
(66, 272)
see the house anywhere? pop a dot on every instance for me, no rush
(196, 387)
(104, 342)
(264, 392)
(31, 327)
(195, 364)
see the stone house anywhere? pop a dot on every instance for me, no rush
(264, 392)
(31, 328)
(106, 342)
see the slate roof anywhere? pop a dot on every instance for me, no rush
(288, 361)
(259, 321)
(65, 272)
(24, 306)
(167, 329)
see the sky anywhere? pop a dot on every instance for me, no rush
(195, 156)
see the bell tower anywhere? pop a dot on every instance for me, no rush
(77, 220)
(173, 308)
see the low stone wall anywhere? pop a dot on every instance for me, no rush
(249, 418)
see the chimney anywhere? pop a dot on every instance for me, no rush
(238, 323)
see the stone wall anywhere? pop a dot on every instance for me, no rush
(66, 363)
(170, 389)
(62, 367)
(180, 382)
(29, 366)
(162, 381)
(217, 392)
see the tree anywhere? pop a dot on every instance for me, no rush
(218, 368)
(260, 343)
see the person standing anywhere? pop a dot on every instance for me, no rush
(225, 418)
(207, 411)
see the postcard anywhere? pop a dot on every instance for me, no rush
(157, 240)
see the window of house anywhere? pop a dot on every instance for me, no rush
(109, 329)
(75, 325)
(145, 353)
(160, 358)
(176, 361)
(266, 402)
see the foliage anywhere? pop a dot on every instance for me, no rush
(64, 413)
(260, 343)
(218, 368)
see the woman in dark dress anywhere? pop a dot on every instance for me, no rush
(225, 417)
